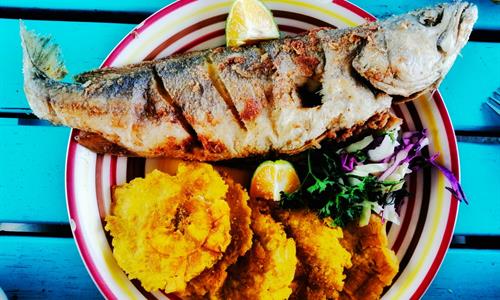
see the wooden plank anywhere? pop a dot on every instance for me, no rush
(479, 164)
(467, 274)
(487, 20)
(84, 45)
(43, 268)
(32, 173)
(35, 167)
(467, 86)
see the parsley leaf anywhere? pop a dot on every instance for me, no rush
(334, 194)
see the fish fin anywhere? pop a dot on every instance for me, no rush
(41, 53)
(42, 67)
(100, 144)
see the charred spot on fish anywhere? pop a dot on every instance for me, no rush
(235, 60)
(298, 46)
(310, 93)
(211, 145)
(173, 147)
(430, 17)
(266, 66)
(306, 64)
(251, 109)
(303, 55)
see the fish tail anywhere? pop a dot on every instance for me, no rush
(42, 68)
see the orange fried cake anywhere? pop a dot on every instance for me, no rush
(267, 271)
(168, 230)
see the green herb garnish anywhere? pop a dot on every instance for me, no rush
(334, 193)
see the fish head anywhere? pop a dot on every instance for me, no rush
(410, 54)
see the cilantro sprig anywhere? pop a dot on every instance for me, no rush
(334, 193)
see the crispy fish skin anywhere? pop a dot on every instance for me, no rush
(232, 103)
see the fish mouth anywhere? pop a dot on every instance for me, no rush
(469, 12)
(467, 19)
(456, 21)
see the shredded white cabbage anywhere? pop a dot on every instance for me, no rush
(384, 150)
(359, 145)
(364, 170)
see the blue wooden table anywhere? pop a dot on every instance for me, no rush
(38, 257)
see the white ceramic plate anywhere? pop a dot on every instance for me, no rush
(428, 216)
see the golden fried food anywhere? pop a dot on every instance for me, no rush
(322, 256)
(267, 271)
(374, 264)
(168, 229)
(209, 283)
(197, 235)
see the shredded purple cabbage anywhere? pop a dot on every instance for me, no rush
(418, 138)
(412, 144)
(399, 156)
(348, 161)
(410, 151)
(455, 189)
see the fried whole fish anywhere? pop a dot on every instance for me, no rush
(280, 96)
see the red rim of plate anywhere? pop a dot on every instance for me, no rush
(70, 160)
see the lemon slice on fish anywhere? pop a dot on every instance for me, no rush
(249, 20)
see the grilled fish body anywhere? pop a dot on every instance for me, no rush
(228, 103)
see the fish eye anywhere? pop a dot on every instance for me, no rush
(430, 17)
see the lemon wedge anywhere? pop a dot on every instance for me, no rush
(249, 20)
(273, 177)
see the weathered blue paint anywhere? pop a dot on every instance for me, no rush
(32, 169)
(467, 274)
(32, 173)
(43, 268)
(488, 10)
(480, 164)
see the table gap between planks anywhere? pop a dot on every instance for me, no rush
(38, 257)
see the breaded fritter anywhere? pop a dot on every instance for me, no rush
(267, 271)
(322, 256)
(209, 283)
(168, 229)
(374, 264)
